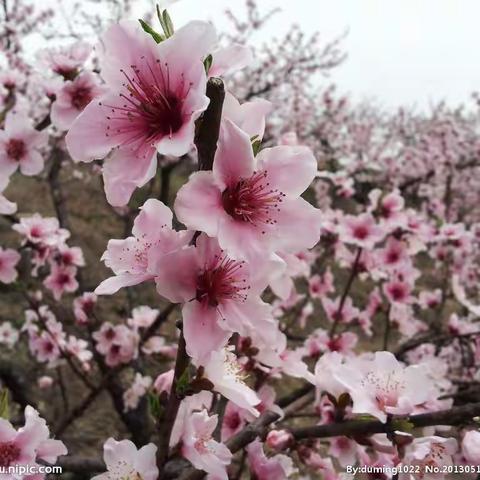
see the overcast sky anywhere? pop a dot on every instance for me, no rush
(402, 52)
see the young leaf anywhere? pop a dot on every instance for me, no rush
(207, 63)
(165, 22)
(147, 28)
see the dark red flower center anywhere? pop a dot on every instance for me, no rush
(361, 232)
(252, 200)
(16, 149)
(81, 97)
(224, 280)
(9, 452)
(152, 108)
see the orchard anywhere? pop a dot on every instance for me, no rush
(214, 264)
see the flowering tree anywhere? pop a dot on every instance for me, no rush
(282, 293)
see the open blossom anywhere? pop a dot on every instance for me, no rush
(139, 387)
(41, 230)
(278, 467)
(361, 230)
(381, 386)
(155, 94)
(143, 317)
(220, 295)
(29, 444)
(73, 97)
(125, 462)
(83, 307)
(118, 343)
(61, 280)
(248, 116)
(228, 378)
(65, 60)
(434, 452)
(6, 207)
(252, 204)
(471, 446)
(8, 261)
(199, 447)
(19, 146)
(128, 258)
(8, 334)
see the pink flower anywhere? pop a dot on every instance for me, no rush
(252, 204)
(139, 387)
(65, 60)
(45, 382)
(6, 207)
(163, 383)
(319, 286)
(248, 116)
(142, 317)
(382, 386)
(279, 440)
(83, 307)
(72, 99)
(155, 94)
(123, 461)
(8, 261)
(398, 291)
(278, 467)
(61, 280)
(201, 449)
(228, 378)
(332, 308)
(28, 444)
(220, 295)
(8, 334)
(152, 230)
(19, 144)
(229, 59)
(361, 230)
(69, 256)
(118, 343)
(344, 450)
(434, 452)
(39, 230)
(471, 446)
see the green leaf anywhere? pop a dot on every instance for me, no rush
(207, 63)
(154, 405)
(4, 409)
(155, 35)
(256, 146)
(165, 22)
(183, 383)
(402, 425)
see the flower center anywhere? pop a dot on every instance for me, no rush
(224, 280)
(252, 200)
(81, 97)
(152, 107)
(360, 232)
(9, 452)
(16, 149)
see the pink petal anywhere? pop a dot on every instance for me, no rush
(230, 59)
(175, 273)
(290, 169)
(123, 172)
(32, 164)
(154, 216)
(114, 284)
(199, 203)
(91, 124)
(234, 158)
(202, 331)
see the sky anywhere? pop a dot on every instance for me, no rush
(400, 52)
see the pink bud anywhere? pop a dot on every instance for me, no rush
(279, 439)
(163, 383)
(45, 382)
